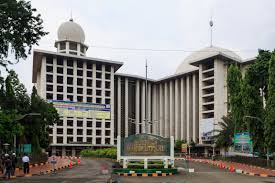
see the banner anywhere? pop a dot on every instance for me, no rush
(243, 143)
(206, 129)
(184, 148)
(82, 110)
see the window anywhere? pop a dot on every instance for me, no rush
(70, 89)
(49, 60)
(107, 76)
(107, 84)
(49, 88)
(89, 132)
(107, 141)
(60, 70)
(70, 139)
(89, 66)
(79, 81)
(69, 80)
(70, 63)
(79, 64)
(50, 130)
(79, 132)
(89, 123)
(107, 101)
(107, 125)
(98, 84)
(59, 88)
(49, 96)
(70, 97)
(79, 123)
(89, 82)
(59, 140)
(107, 93)
(98, 124)
(79, 90)
(59, 130)
(60, 122)
(107, 132)
(98, 67)
(70, 72)
(79, 99)
(59, 97)
(49, 78)
(60, 79)
(80, 72)
(59, 61)
(89, 99)
(89, 139)
(108, 68)
(50, 139)
(49, 69)
(98, 140)
(98, 75)
(89, 74)
(70, 131)
(98, 92)
(79, 139)
(73, 46)
(82, 49)
(70, 122)
(89, 91)
(98, 100)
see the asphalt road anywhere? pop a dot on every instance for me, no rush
(89, 172)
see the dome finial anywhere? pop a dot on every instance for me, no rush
(211, 30)
(71, 19)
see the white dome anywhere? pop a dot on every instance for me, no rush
(204, 54)
(71, 31)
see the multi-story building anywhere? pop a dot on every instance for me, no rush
(96, 104)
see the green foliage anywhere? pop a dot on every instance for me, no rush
(270, 108)
(224, 138)
(100, 153)
(178, 144)
(20, 28)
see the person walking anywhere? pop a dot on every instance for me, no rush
(8, 167)
(14, 162)
(26, 166)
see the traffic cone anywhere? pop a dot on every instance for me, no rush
(71, 165)
(78, 161)
(232, 169)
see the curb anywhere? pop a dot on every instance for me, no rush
(145, 174)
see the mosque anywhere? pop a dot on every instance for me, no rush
(96, 104)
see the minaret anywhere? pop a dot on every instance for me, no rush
(71, 39)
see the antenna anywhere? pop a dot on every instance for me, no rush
(211, 30)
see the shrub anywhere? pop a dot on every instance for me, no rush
(99, 153)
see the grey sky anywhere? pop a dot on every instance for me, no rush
(239, 25)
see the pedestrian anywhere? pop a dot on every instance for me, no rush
(8, 166)
(2, 161)
(26, 166)
(14, 162)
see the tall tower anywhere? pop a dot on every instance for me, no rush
(71, 39)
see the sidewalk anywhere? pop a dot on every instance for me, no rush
(44, 168)
(239, 167)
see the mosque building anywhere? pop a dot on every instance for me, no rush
(96, 104)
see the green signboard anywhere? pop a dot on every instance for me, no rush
(145, 145)
(243, 143)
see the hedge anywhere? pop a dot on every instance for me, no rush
(99, 153)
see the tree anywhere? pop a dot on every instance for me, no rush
(234, 83)
(20, 28)
(269, 127)
(178, 144)
(224, 138)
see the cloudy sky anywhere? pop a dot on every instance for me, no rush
(240, 25)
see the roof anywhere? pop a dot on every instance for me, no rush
(71, 31)
(38, 54)
(134, 76)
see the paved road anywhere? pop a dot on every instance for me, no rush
(89, 172)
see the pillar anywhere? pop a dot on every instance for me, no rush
(126, 107)
(137, 119)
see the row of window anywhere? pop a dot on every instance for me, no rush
(59, 140)
(79, 63)
(49, 96)
(79, 81)
(60, 70)
(59, 131)
(79, 123)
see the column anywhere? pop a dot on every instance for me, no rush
(126, 107)
(200, 100)
(112, 105)
(150, 125)
(154, 108)
(137, 120)
(143, 107)
(43, 78)
(161, 114)
(171, 109)
(188, 108)
(182, 110)
(194, 108)
(177, 111)
(119, 106)
(166, 111)
(54, 78)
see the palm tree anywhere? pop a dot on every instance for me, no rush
(224, 138)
